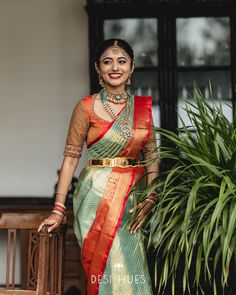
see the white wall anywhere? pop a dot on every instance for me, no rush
(43, 72)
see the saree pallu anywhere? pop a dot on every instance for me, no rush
(113, 259)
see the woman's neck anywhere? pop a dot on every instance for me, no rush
(117, 90)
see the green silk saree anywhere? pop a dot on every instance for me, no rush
(113, 259)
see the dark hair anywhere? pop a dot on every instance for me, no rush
(108, 43)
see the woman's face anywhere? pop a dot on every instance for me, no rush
(115, 67)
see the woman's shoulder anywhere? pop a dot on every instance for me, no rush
(85, 104)
(84, 100)
(87, 98)
(81, 104)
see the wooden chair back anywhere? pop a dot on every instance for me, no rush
(41, 254)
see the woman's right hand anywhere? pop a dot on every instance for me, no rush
(53, 221)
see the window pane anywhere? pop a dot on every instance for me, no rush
(141, 33)
(203, 41)
(221, 91)
(220, 83)
(146, 84)
(226, 107)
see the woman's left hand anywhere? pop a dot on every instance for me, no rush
(145, 206)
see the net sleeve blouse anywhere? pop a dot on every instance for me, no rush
(78, 131)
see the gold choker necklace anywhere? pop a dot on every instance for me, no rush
(116, 98)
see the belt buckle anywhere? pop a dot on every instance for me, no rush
(123, 162)
(111, 162)
(126, 161)
(107, 162)
(119, 162)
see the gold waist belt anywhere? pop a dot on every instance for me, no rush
(114, 162)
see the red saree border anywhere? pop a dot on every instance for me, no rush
(117, 225)
(149, 117)
(101, 135)
(119, 220)
(142, 126)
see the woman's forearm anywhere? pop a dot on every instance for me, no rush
(153, 168)
(67, 171)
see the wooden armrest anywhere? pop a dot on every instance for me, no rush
(22, 220)
(44, 248)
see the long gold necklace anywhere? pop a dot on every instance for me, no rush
(126, 130)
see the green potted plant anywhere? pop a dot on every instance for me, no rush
(195, 216)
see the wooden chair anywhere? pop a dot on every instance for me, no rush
(41, 254)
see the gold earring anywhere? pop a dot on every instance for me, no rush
(128, 82)
(101, 82)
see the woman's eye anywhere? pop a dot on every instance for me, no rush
(106, 62)
(122, 61)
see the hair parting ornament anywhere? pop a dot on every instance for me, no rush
(115, 48)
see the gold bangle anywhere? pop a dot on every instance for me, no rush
(152, 196)
(58, 203)
(151, 201)
(58, 213)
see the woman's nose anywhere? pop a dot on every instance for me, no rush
(115, 66)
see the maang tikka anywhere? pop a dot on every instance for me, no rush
(115, 48)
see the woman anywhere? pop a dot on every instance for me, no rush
(117, 127)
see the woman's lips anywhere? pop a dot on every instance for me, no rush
(115, 75)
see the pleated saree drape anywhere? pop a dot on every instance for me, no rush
(114, 260)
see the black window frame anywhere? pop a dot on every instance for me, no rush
(167, 69)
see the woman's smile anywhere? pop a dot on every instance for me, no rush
(115, 75)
